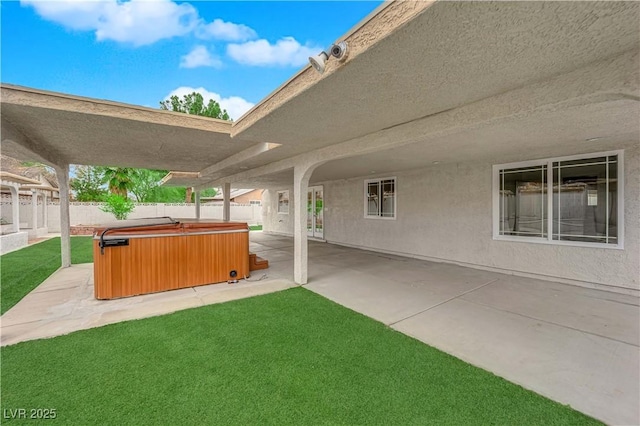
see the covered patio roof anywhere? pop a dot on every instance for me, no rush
(61, 129)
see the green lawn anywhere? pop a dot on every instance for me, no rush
(23, 270)
(291, 357)
(255, 227)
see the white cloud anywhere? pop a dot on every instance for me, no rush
(227, 31)
(285, 52)
(235, 105)
(200, 57)
(144, 22)
(139, 22)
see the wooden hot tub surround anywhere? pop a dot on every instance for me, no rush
(152, 255)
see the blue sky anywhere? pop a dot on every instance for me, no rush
(140, 52)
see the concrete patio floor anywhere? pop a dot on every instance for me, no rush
(574, 345)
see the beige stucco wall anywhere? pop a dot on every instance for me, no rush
(272, 221)
(445, 212)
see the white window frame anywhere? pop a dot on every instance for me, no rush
(278, 202)
(395, 198)
(549, 163)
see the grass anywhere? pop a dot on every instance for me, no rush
(291, 357)
(23, 270)
(255, 227)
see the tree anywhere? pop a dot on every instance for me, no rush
(168, 194)
(118, 205)
(88, 184)
(119, 179)
(209, 192)
(193, 103)
(188, 197)
(144, 183)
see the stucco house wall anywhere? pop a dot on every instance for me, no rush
(444, 212)
(272, 221)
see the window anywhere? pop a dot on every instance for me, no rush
(283, 202)
(571, 200)
(255, 202)
(380, 198)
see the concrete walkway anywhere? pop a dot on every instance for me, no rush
(65, 303)
(574, 345)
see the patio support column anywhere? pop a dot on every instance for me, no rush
(197, 204)
(226, 210)
(65, 222)
(34, 212)
(301, 176)
(15, 207)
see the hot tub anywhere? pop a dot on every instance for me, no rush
(152, 255)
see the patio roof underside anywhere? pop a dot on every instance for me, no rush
(60, 129)
(458, 82)
(450, 81)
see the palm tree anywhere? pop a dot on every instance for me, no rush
(119, 179)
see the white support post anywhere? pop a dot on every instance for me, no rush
(301, 175)
(15, 207)
(197, 204)
(226, 192)
(45, 206)
(62, 173)
(34, 212)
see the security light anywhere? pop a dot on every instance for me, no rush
(318, 61)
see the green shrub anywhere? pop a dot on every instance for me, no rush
(118, 205)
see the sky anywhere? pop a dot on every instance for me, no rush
(143, 51)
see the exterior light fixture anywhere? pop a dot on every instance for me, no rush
(319, 61)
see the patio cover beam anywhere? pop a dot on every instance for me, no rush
(213, 171)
